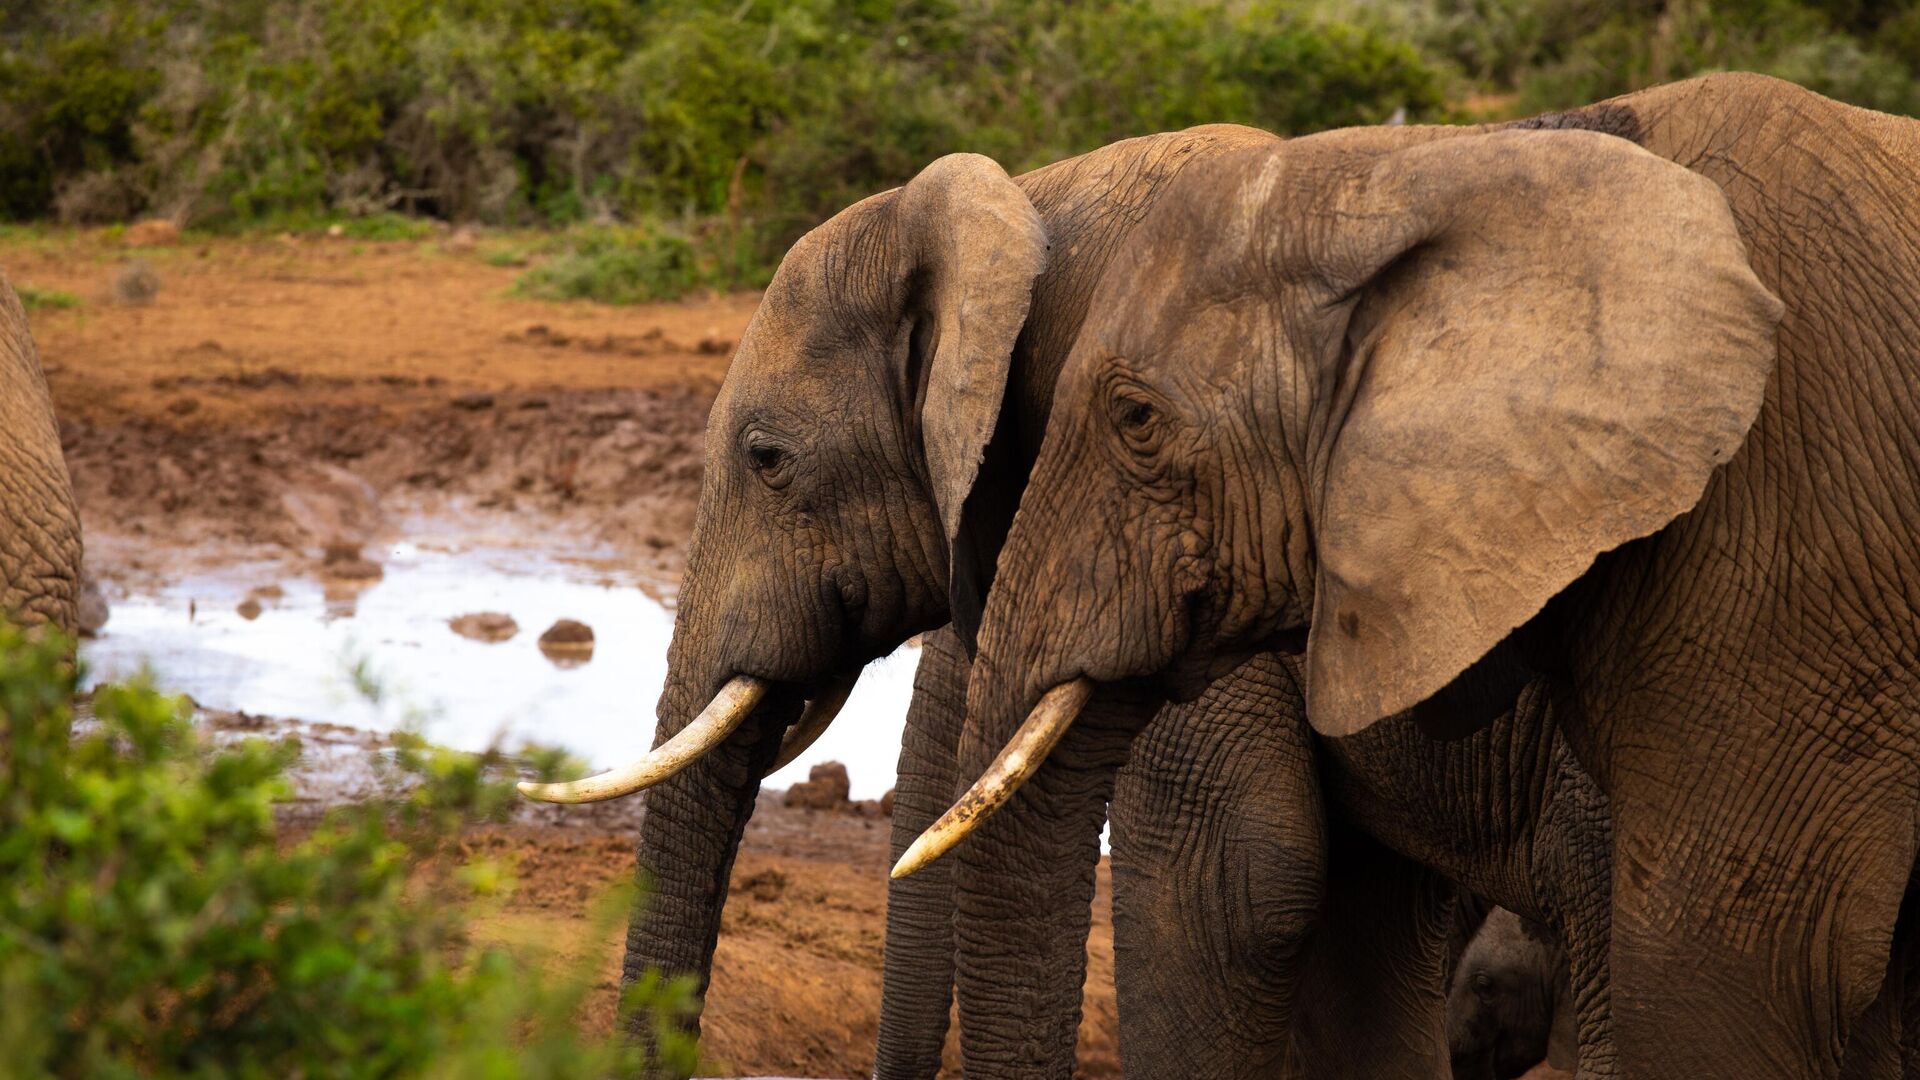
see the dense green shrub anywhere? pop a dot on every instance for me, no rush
(760, 116)
(154, 920)
(734, 125)
(617, 266)
(1560, 53)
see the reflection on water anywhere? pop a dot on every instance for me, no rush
(303, 653)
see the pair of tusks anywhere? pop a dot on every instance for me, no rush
(1018, 760)
(727, 711)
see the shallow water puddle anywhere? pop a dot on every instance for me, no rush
(309, 648)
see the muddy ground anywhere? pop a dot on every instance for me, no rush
(276, 396)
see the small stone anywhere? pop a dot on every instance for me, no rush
(185, 406)
(341, 559)
(568, 643)
(765, 886)
(153, 232)
(473, 401)
(487, 626)
(825, 788)
(249, 609)
(336, 230)
(91, 612)
(339, 551)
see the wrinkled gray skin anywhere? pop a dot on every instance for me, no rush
(1510, 1007)
(840, 452)
(1537, 408)
(39, 527)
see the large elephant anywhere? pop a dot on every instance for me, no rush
(861, 413)
(39, 526)
(1622, 403)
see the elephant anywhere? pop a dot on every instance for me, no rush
(863, 460)
(1509, 1004)
(40, 548)
(1615, 407)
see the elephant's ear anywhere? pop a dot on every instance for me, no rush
(980, 245)
(1546, 343)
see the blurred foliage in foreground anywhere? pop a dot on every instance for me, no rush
(713, 132)
(154, 921)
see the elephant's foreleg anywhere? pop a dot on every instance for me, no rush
(1372, 981)
(917, 987)
(1885, 1044)
(1219, 858)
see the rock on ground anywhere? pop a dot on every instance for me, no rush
(487, 626)
(825, 788)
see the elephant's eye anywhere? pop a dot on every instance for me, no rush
(1135, 414)
(766, 458)
(1138, 422)
(769, 461)
(1482, 985)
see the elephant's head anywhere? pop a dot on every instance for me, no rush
(1508, 1008)
(839, 452)
(1377, 395)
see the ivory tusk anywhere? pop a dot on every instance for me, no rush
(1017, 761)
(733, 704)
(813, 721)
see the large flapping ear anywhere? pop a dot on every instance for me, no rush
(1552, 339)
(979, 244)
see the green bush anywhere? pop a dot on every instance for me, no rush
(616, 266)
(156, 922)
(741, 123)
(744, 121)
(1557, 54)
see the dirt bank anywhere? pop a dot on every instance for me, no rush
(277, 392)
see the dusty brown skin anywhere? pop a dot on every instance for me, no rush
(863, 459)
(39, 527)
(1428, 395)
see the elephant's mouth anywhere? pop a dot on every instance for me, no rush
(730, 707)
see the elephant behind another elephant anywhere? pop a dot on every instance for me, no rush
(39, 525)
(1510, 1005)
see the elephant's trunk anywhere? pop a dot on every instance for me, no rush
(1024, 895)
(917, 987)
(1025, 876)
(689, 836)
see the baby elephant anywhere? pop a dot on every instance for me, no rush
(1509, 1007)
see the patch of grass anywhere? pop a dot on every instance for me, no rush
(507, 255)
(35, 299)
(388, 226)
(617, 266)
